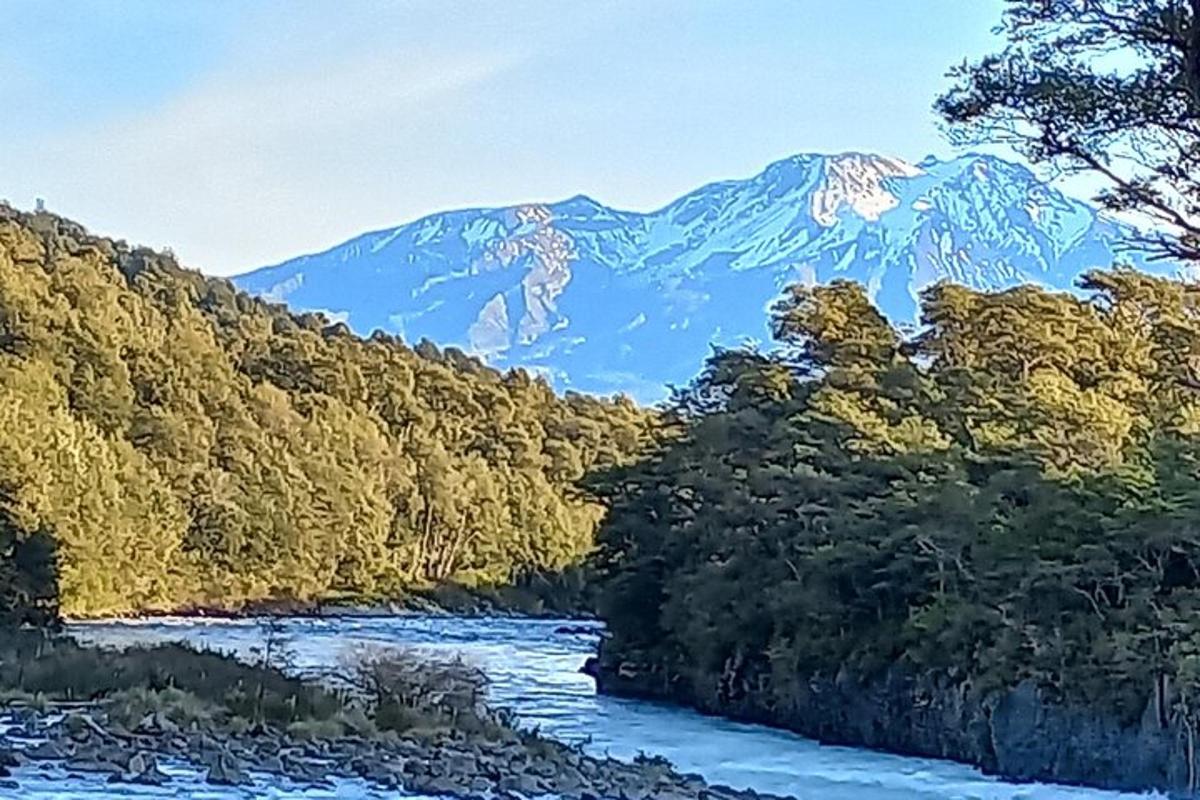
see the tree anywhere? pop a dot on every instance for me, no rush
(181, 443)
(1040, 528)
(28, 574)
(1105, 87)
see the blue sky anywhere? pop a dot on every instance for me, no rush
(243, 133)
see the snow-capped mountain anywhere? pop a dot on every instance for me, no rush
(604, 300)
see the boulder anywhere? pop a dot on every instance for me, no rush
(155, 723)
(226, 771)
(48, 751)
(272, 764)
(9, 757)
(143, 769)
(90, 762)
(524, 784)
(78, 726)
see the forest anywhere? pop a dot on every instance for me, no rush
(1007, 496)
(170, 443)
(1011, 495)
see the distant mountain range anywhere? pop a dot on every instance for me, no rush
(603, 300)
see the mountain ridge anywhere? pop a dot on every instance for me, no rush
(602, 299)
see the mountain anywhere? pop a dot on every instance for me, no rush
(604, 300)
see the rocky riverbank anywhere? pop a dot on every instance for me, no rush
(1018, 734)
(393, 718)
(502, 601)
(86, 739)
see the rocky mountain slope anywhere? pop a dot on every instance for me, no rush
(604, 300)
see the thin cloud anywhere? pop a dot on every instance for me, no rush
(194, 171)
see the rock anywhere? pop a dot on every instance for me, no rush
(523, 783)
(569, 779)
(113, 754)
(143, 769)
(389, 775)
(442, 786)
(78, 726)
(272, 764)
(10, 757)
(157, 722)
(591, 667)
(461, 764)
(671, 793)
(577, 630)
(226, 771)
(89, 763)
(48, 751)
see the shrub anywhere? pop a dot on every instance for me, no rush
(407, 689)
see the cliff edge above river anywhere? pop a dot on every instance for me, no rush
(1017, 734)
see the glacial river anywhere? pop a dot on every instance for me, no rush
(534, 671)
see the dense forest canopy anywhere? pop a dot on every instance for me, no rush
(178, 442)
(1012, 495)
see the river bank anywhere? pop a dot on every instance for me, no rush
(391, 718)
(534, 671)
(444, 599)
(86, 740)
(1017, 734)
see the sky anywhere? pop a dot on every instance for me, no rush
(244, 133)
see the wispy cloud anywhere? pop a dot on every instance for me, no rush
(244, 134)
(200, 171)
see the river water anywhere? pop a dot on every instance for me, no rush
(534, 671)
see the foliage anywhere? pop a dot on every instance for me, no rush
(183, 444)
(28, 576)
(1106, 87)
(406, 689)
(383, 690)
(182, 683)
(1009, 496)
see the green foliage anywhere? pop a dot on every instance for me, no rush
(1010, 495)
(28, 576)
(172, 679)
(1106, 87)
(183, 444)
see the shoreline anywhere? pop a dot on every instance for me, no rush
(397, 722)
(449, 600)
(1016, 734)
(79, 739)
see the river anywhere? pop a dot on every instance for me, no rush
(534, 670)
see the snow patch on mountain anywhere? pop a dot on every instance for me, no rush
(605, 300)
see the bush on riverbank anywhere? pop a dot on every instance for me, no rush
(562, 593)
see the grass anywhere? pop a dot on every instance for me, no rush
(381, 690)
(60, 669)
